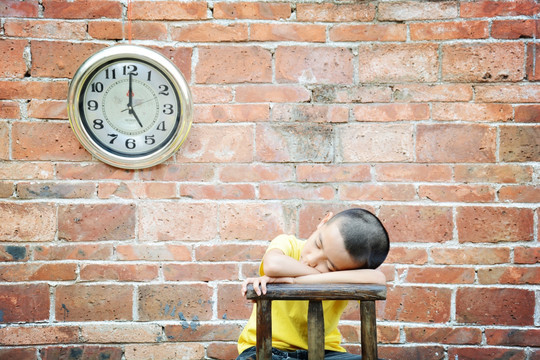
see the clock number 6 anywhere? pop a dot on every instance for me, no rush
(130, 143)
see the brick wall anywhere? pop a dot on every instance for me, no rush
(425, 112)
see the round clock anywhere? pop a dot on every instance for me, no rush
(130, 106)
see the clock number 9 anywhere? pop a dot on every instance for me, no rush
(92, 105)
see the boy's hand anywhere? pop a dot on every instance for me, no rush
(259, 283)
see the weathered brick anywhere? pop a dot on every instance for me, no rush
(408, 223)
(30, 335)
(527, 113)
(436, 93)
(456, 143)
(377, 192)
(351, 94)
(533, 59)
(230, 252)
(193, 331)
(444, 335)
(216, 192)
(7, 189)
(252, 10)
(93, 302)
(10, 253)
(296, 191)
(523, 193)
(9, 110)
(497, 173)
(389, 63)
(222, 351)
(483, 62)
(232, 113)
(73, 252)
(120, 333)
(413, 172)
(368, 32)
(43, 109)
(185, 350)
(520, 143)
(457, 193)
(17, 8)
(406, 255)
(179, 172)
(162, 221)
(38, 272)
(33, 90)
(509, 275)
(105, 29)
(417, 304)
(211, 94)
(26, 170)
(81, 9)
(169, 10)
(329, 12)
(321, 65)
(513, 29)
(376, 143)
(23, 303)
(526, 255)
(81, 352)
(180, 56)
(231, 304)
(94, 171)
(34, 190)
(27, 222)
(153, 252)
(297, 142)
(18, 353)
(149, 30)
(310, 113)
(200, 272)
(412, 10)
(412, 352)
(233, 64)
(450, 30)
(497, 8)
(470, 255)
(272, 93)
(210, 32)
(490, 306)
(12, 62)
(287, 32)
(472, 112)
(514, 337)
(494, 224)
(391, 112)
(45, 29)
(256, 172)
(119, 272)
(332, 173)
(4, 146)
(439, 275)
(507, 93)
(190, 303)
(137, 190)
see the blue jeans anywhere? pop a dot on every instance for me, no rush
(250, 354)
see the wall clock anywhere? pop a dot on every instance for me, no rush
(129, 106)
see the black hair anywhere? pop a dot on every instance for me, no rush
(365, 237)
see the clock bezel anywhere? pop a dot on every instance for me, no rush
(137, 53)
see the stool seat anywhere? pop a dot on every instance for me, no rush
(367, 294)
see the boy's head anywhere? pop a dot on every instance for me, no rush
(352, 239)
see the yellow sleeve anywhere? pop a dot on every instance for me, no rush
(286, 243)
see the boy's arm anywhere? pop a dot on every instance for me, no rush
(358, 276)
(277, 264)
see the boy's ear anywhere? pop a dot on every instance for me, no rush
(327, 217)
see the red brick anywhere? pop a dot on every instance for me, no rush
(513, 337)
(470, 255)
(30, 335)
(18, 353)
(222, 351)
(216, 192)
(46, 141)
(221, 144)
(351, 94)
(149, 30)
(533, 59)
(456, 143)
(233, 64)
(186, 302)
(231, 304)
(23, 303)
(45, 29)
(429, 93)
(526, 255)
(287, 32)
(311, 214)
(310, 113)
(85, 352)
(524, 194)
(210, 32)
(26, 222)
(398, 63)
(520, 143)
(472, 112)
(515, 275)
(207, 94)
(93, 302)
(406, 255)
(179, 172)
(9, 110)
(120, 332)
(160, 221)
(272, 93)
(59, 59)
(33, 90)
(27, 170)
(32, 190)
(185, 350)
(494, 224)
(329, 12)
(408, 223)
(376, 142)
(106, 30)
(412, 352)
(95, 171)
(497, 173)
(457, 193)
(12, 61)
(483, 62)
(169, 10)
(332, 173)
(96, 222)
(255, 172)
(10, 253)
(413, 172)
(73, 252)
(439, 275)
(412, 10)
(351, 334)
(43, 109)
(4, 146)
(507, 93)
(200, 272)
(119, 272)
(230, 252)
(489, 306)
(38, 272)
(377, 192)
(297, 142)
(90, 9)
(7, 189)
(513, 29)
(17, 8)
(137, 190)
(247, 10)
(368, 32)
(391, 112)
(450, 30)
(253, 221)
(194, 331)
(296, 191)
(227, 113)
(180, 56)
(443, 335)
(418, 304)
(498, 8)
(527, 113)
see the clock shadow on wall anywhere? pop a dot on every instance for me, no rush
(130, 106)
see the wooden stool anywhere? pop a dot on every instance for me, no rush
(367, 294)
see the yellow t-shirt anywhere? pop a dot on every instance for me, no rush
(289, 318)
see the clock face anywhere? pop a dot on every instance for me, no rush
(131, 108)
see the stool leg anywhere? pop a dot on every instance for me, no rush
(315, 330)
(264, 329)
(368, 330)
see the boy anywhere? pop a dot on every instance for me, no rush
(345, 248)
